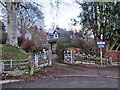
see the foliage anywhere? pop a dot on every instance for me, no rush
(10, 52)
(102, 18)
(27, 45)
(46, 48)
(61, 46)
(21, 39)
(35, 48)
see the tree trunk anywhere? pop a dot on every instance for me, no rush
(113, 44)
(117, 47)
(11, 24)
(106, 47)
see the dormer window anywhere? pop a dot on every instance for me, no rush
(55, 35)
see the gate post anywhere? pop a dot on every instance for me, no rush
(72, 57)
(36, 61)
(31, 64)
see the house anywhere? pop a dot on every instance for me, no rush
(59, 34)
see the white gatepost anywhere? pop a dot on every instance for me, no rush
(10, 62)
(36, 61)
(71, 57)
(44, 54)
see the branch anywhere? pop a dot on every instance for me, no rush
(37, 4)
(3, 4)
(118, 47)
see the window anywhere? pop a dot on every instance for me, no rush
(55, 35)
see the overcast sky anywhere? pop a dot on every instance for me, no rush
(68, 9)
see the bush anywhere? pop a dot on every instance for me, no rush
(35, 49)
(21, 39)
(46, 48)
(60, 48)
(115, 55)
(27, 45)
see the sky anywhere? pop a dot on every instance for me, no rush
(68, 9)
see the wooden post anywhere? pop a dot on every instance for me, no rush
(31, 64)
(110, 60)
(72, 57)
(64, 56)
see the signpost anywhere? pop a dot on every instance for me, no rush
(101, 45)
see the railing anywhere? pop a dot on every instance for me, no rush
(76, 58)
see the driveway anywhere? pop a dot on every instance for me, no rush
(69, 76)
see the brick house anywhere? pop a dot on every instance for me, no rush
(59, 34)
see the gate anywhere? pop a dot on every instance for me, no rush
(42, 59)
(72, 57)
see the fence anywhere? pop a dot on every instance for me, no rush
(75, 58)
(41, 59)
(12, 62)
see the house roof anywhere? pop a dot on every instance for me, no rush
(63, 35)
(51, 34)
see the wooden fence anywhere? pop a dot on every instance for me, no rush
(72, 57)
(41, 59)
(12, 62)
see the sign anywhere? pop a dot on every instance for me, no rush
(101, 46)
(100, 42)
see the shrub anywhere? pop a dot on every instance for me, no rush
(35, 49)
(21, 39)
(27, 45)
(46, 48)
(115, 55)
(60, 48)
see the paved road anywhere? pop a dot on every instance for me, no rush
(68, 76)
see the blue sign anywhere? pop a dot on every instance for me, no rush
(101, 46)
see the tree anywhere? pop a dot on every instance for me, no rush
(61, 46)
(103, 19)
(12, 9)
(2, 26)
(29, 16)
(3, 36)
(38, 36)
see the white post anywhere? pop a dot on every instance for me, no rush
(44, 54)
(11, 63)
(36, 61)
(71, 56)
(101, 55)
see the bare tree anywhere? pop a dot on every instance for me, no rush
(38, 36)
(12, 9)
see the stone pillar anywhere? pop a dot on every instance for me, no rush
(31, 65)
